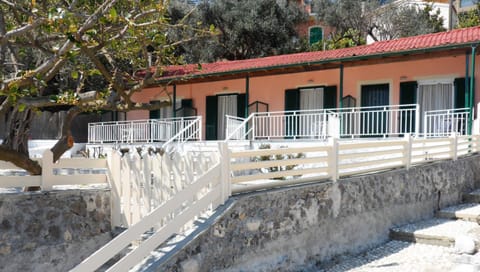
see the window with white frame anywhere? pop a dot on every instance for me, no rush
(227, 105)
(433, 95)
(311, 98)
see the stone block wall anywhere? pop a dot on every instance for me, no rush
(291, 229)
(52, 231)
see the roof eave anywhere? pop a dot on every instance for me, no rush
(187, 78)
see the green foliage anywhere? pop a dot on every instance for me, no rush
(469, 18)
(278, 157)
(246, 29)
(354, 20)
(125, 37)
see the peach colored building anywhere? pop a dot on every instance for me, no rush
(431, 70)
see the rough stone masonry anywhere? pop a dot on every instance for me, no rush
(52, 231)
(288, 229)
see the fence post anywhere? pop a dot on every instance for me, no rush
(47, 170)
(454, 145)
(408, 151)
(333, 159)
(114, 177)
(225, 171)
(417, 120)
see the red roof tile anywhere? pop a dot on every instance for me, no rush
(463, 36)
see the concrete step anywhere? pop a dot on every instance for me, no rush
(466, 211)
(472, 197)
(436, 231)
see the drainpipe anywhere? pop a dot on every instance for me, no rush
(340, 104)
(174, 100)
(247, 93)
(471, 90)
(467, 76)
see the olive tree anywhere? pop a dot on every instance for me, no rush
(78, 55)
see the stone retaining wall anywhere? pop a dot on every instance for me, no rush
(290, 229)
(52, 231)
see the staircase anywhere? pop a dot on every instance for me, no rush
(456, 227)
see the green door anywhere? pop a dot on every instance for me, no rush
(211, 117)
(374, 120)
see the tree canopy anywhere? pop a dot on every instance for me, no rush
(79, 55)
(246, 29)
(469, 18)
(354, 20)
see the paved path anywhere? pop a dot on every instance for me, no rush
(403, 256)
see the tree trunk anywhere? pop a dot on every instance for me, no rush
(15, 145)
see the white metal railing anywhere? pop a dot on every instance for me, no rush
(237, 127)
(381, 121)
(441, 123)
(192, 130)
(142, 131)
(378, 121)
(306, 124)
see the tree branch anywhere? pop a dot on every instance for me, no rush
(21, 160)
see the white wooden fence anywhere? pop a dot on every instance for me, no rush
(66, 171)
(267, 168)
(163, 195)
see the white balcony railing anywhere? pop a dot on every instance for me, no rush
(381, 121)
(442, 123)
(144, 131)
(378, 121)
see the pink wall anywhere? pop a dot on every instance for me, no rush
(271, 89)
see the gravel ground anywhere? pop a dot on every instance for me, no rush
(402, 256)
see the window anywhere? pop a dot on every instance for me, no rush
(466, 3)
(315, 34)
(311, 99)
(433, 96)
(164, 112)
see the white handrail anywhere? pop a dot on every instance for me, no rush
(231, 133)
(196, 125)
(171, 207)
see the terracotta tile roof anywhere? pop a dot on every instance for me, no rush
(465, 36)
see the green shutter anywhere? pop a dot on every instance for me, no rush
(408, 95)
(187, 103)
(316, 35)
(292, 103)
(241, 103)
(408, 92)
(330, 97)
(460, 92)
(154, 114)
(292, 99)
(211, 117)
